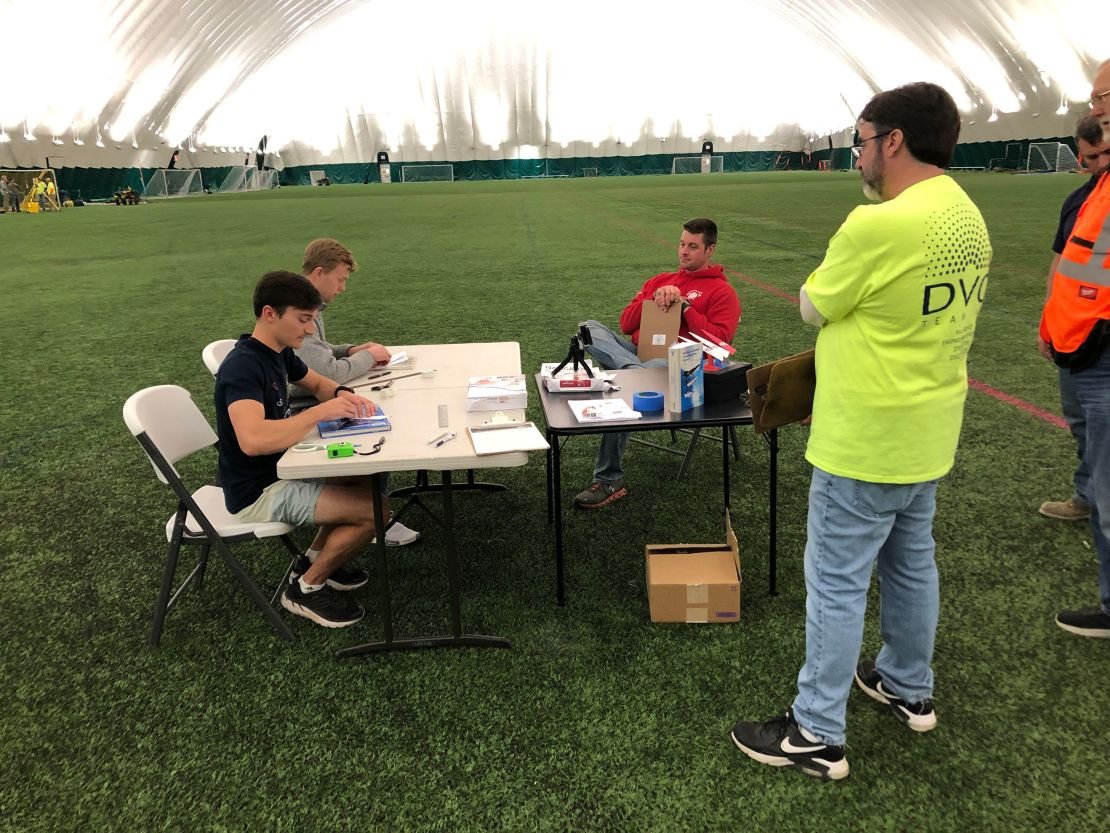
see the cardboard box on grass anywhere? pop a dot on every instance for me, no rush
(694, 582)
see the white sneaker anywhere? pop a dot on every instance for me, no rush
(399, 535)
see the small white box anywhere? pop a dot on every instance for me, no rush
(496, 393)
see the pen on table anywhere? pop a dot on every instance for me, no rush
(446, 439)
(438, 437)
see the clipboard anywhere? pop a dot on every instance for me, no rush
(658, 330)
(781, 392)
(505, 437)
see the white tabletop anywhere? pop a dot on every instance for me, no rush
(453, 364)
(413, 411)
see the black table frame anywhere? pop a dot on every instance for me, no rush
(456, 639)
(563, 425)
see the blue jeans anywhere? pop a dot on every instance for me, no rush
(852, 525)
(612, 352)
(1077, 422)
(1090, 390)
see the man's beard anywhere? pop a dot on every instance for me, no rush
(873, 181)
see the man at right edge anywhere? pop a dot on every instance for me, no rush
(1075, 325)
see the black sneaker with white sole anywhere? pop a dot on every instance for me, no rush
(782, 742)
(342, 578)
(920, 716)
(1089, 622)
(325, 606)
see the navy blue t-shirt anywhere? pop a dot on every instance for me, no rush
(251, 371)
(1069, 213)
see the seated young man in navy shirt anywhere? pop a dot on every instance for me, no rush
(255, 427)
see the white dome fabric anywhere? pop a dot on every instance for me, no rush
(123, 82)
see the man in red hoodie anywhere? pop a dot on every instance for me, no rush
(709, 308)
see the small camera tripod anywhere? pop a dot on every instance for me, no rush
(576, 353)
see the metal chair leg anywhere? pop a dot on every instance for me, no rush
(694, 434)
(248, 584)
(202, 564)
(161, 606)
(290, 545)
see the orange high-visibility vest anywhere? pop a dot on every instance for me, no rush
(1080, 296)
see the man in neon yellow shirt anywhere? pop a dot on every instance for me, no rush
(40, 194)
(896, 298)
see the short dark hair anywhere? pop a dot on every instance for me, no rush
(1089, 129)
(705, 227)
(926, 115)
(282, 290)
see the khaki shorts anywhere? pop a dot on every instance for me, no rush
(288, 501)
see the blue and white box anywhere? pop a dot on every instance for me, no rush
(685, 376)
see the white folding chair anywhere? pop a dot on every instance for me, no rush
(170, 427)
(215, 353)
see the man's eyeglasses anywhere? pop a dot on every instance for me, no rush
(1099, 98)
(857, 148)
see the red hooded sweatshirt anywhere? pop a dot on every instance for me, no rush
(714, 308)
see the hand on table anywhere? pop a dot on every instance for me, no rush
(346, 404)
(381, 354)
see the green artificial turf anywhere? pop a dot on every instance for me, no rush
(596, 719)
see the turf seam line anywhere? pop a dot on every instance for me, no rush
(975, 384)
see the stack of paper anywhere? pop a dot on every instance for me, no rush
(496, 393)
(602, 410)
(547, 369)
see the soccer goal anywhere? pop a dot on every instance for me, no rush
(427, 173)
(248, 178)
(173, 183)
(693, 165)
(318, 178)
(589, 172)
(22, 189)
(1050, 157)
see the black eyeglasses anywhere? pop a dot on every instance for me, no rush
(377, 447)
(857, 148)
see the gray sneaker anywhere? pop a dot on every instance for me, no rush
(1065, 510)
(600, 494)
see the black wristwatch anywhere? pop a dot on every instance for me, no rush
(342, 387)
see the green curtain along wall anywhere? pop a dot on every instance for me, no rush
(538, 168)
(101, 183)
